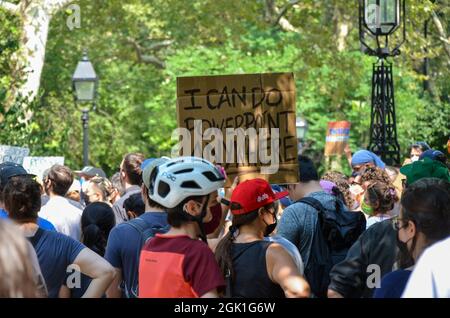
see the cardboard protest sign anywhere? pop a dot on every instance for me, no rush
(13, 154)
(338, 133)
(37, 165)
(246, 123)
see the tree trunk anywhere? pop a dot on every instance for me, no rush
(36, 21)
(35, 17)
(441, 33)
(342, 29)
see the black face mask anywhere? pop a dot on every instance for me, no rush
(200, 221)
(404, 256)
(271, 227)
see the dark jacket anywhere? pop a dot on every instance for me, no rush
(377, 245)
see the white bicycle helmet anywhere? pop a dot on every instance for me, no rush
(183, 177)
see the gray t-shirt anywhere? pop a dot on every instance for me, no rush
(119, 211)
(299, 220)
(290, 248)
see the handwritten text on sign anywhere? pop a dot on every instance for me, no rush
(244, 122)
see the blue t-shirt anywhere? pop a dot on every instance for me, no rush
(55, 252)
(124, 248)
(42, 223)
(393, 284)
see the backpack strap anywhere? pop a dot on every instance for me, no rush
(312, 202)
(145, 229)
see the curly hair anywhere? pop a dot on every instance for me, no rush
(373, 174)
(340, 180)
(22, 198)
(383, 195)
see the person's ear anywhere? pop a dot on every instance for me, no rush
(47, 184)
(192, 207)
(261, 212)
(411, 229)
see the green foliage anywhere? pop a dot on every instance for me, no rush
(9, 43)
(136, 109)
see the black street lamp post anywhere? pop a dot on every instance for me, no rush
(85, 83)
(378, 20)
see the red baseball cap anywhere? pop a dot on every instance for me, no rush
(252, 195)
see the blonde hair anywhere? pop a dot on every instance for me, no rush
(17, 274)
(104, 186)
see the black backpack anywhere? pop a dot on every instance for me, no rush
(146, 231)
(337, 231)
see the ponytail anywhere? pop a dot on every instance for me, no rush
(93, 239)
(97, 221)
(224, 252)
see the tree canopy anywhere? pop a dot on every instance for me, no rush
(138, 48)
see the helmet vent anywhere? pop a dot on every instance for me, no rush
(190, 185)
(211, 176)
(163, 189)
(184, 171)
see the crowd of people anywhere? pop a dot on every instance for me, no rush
(167, 228)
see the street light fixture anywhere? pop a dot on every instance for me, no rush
(301, 126)
(378, 20)
(85, 84)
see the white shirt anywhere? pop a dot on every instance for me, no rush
(375, 219)
(64, 216)
(431, 275)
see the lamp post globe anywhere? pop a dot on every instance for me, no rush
(84, 85)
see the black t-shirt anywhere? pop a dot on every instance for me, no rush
(251, 279)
